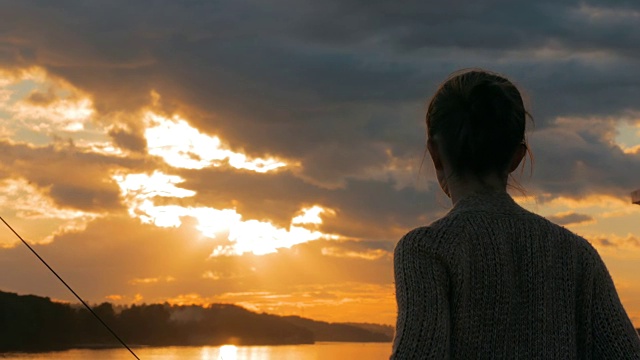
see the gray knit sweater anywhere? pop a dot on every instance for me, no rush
(491, 280)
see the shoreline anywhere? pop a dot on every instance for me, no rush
(137, 346)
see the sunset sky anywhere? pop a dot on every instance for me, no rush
(268, 153)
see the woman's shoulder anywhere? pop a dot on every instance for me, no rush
(440, 234)
(559, 234)
(452, 230)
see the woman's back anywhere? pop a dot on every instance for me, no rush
(492, 280)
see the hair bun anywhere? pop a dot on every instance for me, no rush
(485, 102)
(480, 118)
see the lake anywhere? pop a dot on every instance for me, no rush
(318, 351)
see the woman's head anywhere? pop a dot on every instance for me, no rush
(476, 124)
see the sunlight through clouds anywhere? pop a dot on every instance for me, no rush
(244, 236)
(311, 215)
(183, 146)
(628, 136)
(62, 114)
(41, 103)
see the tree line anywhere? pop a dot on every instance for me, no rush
(34, 323)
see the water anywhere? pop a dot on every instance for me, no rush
(318, 351)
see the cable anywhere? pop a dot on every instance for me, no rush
(70, 289)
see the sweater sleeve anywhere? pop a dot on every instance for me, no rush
(423, 328)
(613, 334)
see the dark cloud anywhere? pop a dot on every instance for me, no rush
(128, 140)
(41, 98)
(331, 84)
(579, 159)
(340, 87)
(629, 242)
(571, 218)
(72, 177)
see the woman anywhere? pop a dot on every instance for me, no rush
(491, 280)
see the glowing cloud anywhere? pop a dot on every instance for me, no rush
(258, 237)
(42, 103)
(371, 254)
(138, 190)
(153, 280)
(30, 203)
(183, 146)
(311, 215)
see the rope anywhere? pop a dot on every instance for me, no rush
(70, 289)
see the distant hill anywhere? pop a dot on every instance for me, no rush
(324, 331)
(38, 324)
(382, 329)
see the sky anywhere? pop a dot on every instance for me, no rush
(271, 154)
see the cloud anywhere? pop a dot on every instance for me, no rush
(345, 104)
(182, 146)
(73, 177)
(571, 218)
(629, 242)
(367, 255)
(346, 101)
(345, 97)
(151, 280)
(580, 158)
(128, 140)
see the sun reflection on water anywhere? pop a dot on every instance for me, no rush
(228, 352)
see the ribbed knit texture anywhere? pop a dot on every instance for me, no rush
(491, 280)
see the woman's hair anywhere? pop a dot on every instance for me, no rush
(478, 119)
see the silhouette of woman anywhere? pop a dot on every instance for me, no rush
(491, 280)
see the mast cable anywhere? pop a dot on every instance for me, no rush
(70, 289)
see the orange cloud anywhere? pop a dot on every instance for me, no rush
(114, 297)
(571, 218)
(630, 242)
(371, 254)
(152, 280)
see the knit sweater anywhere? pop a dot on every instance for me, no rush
(491, 280)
